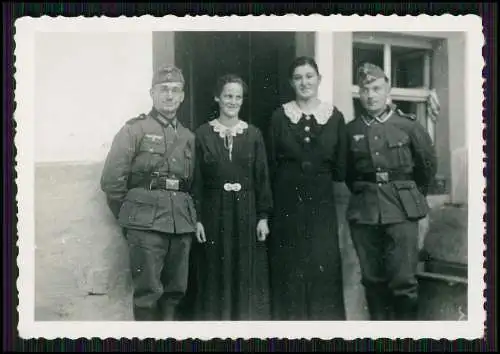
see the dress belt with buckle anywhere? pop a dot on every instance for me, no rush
(232, 187)
(167, 184)
(384, 177)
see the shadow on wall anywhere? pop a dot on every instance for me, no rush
(81, 259)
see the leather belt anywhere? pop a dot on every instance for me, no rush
(384, 177)
(167, 184)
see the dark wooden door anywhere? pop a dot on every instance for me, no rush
(260, 58)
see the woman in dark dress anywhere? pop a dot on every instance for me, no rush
(307, 149)
(233, 199)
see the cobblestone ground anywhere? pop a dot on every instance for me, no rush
(81, 258)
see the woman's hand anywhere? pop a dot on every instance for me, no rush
(200, 233)
(262, 230)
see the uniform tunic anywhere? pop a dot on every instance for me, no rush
(231, 267)
(399, 146)
(138, 150)
(392, 162)
(307, 154)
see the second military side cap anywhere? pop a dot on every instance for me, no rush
(368, 73)
(166, 74)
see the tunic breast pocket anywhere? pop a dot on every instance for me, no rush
(152, 146)
(399, 149)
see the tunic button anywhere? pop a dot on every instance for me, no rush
(307, 139)
(307, 129)
(377, 153)
(308, 117)
(376, 138)
(380, 184)
(378, 169)
(150, 150)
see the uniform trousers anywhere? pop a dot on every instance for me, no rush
(159, 264)
(388, 256)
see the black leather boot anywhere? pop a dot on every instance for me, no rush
(379, 306)
(168, 313)
(145, 314)
(406, 309)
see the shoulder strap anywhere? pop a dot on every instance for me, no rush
(406, 115)
(142, 116)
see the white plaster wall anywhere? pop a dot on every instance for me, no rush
(457, 118)
(86, 86)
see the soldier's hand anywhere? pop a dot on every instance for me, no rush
(200, 233)
(262, 230)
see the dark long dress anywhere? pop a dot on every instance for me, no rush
(232, 281)
(306, 157)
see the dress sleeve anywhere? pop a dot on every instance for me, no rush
(264, 202)
(340, 160)
(197, 188)
(117, 167)
(271, 146)
(350, 166)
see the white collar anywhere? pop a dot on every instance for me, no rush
(224, 131)
(321, 114)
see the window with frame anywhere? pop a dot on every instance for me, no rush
(406, 60)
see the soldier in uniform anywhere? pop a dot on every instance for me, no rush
(392, 162)
(147, 179)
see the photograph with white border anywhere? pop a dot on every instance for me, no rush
(92, 100)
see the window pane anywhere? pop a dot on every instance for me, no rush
(408, 68)
(362, 53)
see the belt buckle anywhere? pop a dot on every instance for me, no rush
(172, 184)
(382, 177)
(235, 187)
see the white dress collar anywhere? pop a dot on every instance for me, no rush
(321, 114)
(224, 131)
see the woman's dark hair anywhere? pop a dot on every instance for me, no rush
(300, 61)
(228, 79)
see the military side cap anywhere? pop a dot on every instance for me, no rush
(368, 72)
(166, 74)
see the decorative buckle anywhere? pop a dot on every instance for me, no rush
(172, 184)
(234, 187)
(382, 177)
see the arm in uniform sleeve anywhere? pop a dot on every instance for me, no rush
(264, 202)
(117, 167)
(424, 155)
(340, 162)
